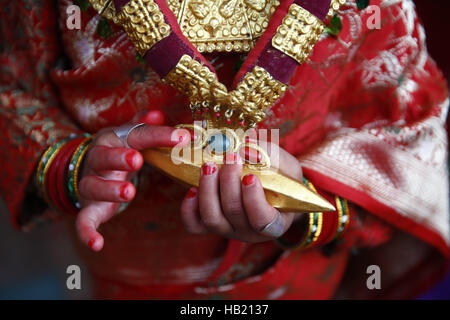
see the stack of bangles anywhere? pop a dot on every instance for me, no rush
(57, 173)
(322, 228)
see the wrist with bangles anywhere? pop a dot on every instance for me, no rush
(58, 173)
(321, 228)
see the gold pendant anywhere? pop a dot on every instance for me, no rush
(223, 25)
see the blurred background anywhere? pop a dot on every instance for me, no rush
(33, 265)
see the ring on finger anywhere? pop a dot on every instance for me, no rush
(124, 131)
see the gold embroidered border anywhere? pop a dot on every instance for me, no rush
(257, 91)
(144, 23)
(298, 33)
(196, 81)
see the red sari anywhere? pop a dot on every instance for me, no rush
(365, 117)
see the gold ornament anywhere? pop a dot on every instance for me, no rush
(334, 7)
(144, 23)
(213, 25)
(223, 25)
(298, 33)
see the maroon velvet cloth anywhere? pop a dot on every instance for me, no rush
(319, 8)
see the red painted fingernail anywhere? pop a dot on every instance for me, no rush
(209, 169)
(251, 155)
(191, 193)
(231, 158)
(248, 179)
(129, 158)
(91, 243)
(124, 192)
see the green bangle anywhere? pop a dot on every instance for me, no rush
(73, 170)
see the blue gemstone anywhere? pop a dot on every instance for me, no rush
(219, 143)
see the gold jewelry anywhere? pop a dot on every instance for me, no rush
(315, 223)
(77, 168)
(298, 33)
(343, 216)
(334, 7)
(213, 26)
(223, 26)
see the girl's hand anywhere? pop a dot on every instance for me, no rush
(108, 166)
(228, 206)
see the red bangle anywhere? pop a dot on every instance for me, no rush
(59, 182)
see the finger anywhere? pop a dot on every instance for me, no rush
(209, 201)
(88, 221)
(230, 194)
(101, 158)
(259, 212)
(154, 117)
(146, 137)
(98, 189)
(157, 136)
(279, 158)
(189, 213)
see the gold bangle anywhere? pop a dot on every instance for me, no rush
(315, 223)
(77, 167)
(343, 216)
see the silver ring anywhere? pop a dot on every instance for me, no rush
(275, 228)
(124, 131)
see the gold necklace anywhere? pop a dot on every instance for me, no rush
(215, 25)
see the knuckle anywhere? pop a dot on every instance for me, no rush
(83, 186)
(233, 208)
(211, 222)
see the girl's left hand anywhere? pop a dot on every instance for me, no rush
(228, 206)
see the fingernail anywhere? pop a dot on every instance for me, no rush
(130, 159)
(248, 179)
(191, 193)
(91, 243)
(124, 192)
(251, 155)
(153, 117)
(231, 158)
(209, 169)
(275, 228)
(178, 137)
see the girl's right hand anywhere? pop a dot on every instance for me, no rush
(107, 168)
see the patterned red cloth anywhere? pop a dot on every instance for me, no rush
(364, 116)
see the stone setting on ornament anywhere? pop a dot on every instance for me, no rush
(219, 143)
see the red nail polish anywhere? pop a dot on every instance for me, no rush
(248, 179)
(208, 169)
(231, 158)
(124, 192)
(91, 243)
(251, 155)
(129, 158)
(191, 193)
